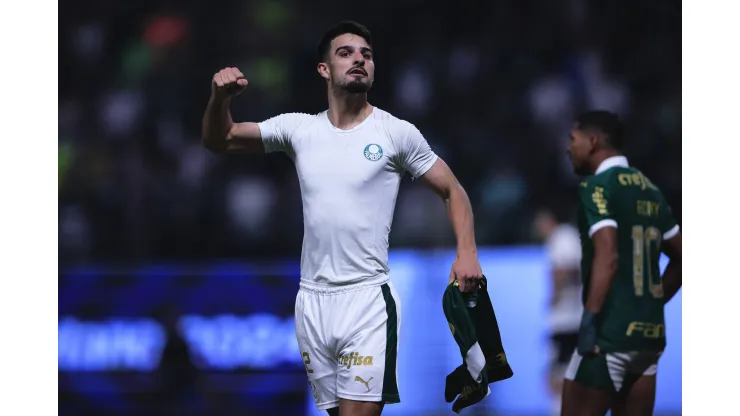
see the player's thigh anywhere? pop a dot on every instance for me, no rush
(637, 396)
(581, 400)
(588, 389)
(321, 366)
(358, 408)
(368, 355)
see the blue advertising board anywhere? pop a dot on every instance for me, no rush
(225, 334)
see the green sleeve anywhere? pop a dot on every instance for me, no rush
(595, 197)
(666, 221)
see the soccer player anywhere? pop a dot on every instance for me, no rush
(350, 160)
(625, 224)
(563, 247)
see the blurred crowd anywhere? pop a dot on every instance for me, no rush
(493, 86)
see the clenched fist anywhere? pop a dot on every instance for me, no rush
(228, 82)
(466, 270)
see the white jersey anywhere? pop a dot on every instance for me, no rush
(349, 183)
(564, 251)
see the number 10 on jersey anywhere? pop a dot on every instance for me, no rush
(644, 241)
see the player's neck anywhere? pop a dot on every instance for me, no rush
(347, 110)
(599, 158)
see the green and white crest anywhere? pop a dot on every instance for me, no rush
(373, 152)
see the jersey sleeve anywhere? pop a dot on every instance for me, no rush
(416, 156)
(595, 197)
(277, 132)
(667, 222)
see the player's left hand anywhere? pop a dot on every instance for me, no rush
(467, 271)
(587, 335)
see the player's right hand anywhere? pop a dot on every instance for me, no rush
(466, 270)
(228, 82)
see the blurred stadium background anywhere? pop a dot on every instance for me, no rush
(179, 269)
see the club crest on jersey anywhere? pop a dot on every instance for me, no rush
(373, 152)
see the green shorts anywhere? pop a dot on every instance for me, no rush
(607, 371)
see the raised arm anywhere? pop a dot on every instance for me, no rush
(220, 133)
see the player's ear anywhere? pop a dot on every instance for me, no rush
(594, 140)
(323, 69)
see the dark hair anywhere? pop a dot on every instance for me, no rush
(340, 29)
(605, 122)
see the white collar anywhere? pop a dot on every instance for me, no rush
(612, 162)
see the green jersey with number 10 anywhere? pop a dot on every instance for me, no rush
(620, 196)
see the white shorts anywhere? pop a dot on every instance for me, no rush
(349, 343)
(609, 370)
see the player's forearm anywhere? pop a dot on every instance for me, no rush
(217, 123)
(672, 279)
(602, 275)
(461, 216)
